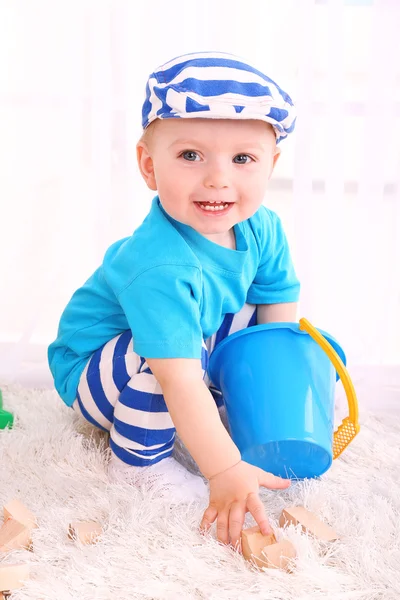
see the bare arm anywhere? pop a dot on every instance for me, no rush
(234, 484)
(194, 414)
(275, 313)
(192, 407)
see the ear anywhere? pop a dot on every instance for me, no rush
(277, 153)
(146, 165)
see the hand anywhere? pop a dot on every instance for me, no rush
(235, 492)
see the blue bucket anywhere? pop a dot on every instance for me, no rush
(278, 386)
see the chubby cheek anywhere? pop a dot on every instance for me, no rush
(172, 197)
(247, 208)
(251, 198)
(169, 177)
(174, 186)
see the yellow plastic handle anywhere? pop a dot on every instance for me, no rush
(349, 428)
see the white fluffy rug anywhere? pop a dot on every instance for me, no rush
(55, 464)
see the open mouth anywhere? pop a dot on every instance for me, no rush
(214, 207)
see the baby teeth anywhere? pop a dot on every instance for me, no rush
(214, 208)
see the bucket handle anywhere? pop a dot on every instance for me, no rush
(349, 427)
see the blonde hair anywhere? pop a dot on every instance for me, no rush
(148, 134)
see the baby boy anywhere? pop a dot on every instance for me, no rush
(209, 259)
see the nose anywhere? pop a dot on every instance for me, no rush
(217, 177)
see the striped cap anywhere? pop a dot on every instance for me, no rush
(216, 85)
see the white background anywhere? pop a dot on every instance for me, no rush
(72, 83)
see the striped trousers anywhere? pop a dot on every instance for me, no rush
(118, 393)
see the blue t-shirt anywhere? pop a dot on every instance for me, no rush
(171, 287)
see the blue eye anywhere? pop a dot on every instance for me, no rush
(189, 152)
(192, 156)
(243, 156)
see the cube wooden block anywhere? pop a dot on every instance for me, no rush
(278, 556)
(264, 550)
(12, 577)
(18, 511)
(14, 536)
(87, 532)
(253, 542)
(309, 522)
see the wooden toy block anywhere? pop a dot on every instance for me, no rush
(18, 511)
(309, 522)
(12, 577)
(253, 542)
(278, 556)
(264, 550)
(14, 535)
(87, 532)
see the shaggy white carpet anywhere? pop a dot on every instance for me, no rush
(55, 463)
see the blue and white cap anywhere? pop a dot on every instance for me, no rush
(216, 85)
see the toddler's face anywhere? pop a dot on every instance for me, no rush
(209, 173)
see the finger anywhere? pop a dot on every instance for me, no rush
(236, 520)
(209, 516)
(272, 481)
(256, 508)
(222, 527)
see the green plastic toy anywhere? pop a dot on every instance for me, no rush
(6, 418)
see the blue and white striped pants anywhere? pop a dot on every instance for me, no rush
(118, 393)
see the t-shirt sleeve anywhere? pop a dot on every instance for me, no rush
(162, 306)
(275, 281)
